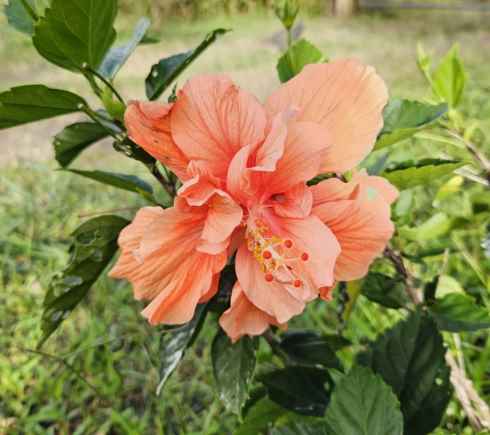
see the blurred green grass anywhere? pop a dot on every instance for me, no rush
(109, 383)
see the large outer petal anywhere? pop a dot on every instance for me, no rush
(148, 124)
(160, 260)
(361, 223)
(304, 150)
(212, 119)
(243, 317)
(344, 96)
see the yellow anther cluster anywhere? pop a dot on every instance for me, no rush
(265, 246)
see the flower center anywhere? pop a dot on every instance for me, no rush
(278, 257)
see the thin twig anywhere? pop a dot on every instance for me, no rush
(474, 406)
(397, 261)
(475, 152)
(169, 188)
(275, 345)
(106, 82)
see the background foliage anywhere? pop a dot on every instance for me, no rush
(104, 379)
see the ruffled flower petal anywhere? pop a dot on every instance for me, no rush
(148, 125)
(160, 259)
(212, 119)
(344, 96)
(243, 317)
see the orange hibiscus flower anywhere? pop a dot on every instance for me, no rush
(244, 168)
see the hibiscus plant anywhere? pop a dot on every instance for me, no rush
(268, 207)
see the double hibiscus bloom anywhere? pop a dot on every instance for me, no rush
(244, 168)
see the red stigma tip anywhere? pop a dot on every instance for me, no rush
(297, 283)
(288, 243)
(269, 277)
(305, 256)
(267, 255)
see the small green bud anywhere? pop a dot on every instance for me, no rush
(114, 107)
(286, 11)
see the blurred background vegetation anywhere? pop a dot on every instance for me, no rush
(97, 375)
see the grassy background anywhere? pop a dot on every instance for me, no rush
(106, 378)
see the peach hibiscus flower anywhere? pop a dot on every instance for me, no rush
(244, 168)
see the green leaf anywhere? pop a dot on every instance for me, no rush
(410, 358)
(363, 404)
(424, 62)
(410, 174)
(74, 139)
(458, 312)
(404, 118)
(260, 417)
(233, 368)
(308, 348)
(23, 14)
(449, 78)
(221, 300)
(167, 70)
(174, 343)
(93, 246)
(131, 183)
(29, 103)
(385, 290)
(304, 428)
(299, 389)
(118, 55)
(436, 226)
(76, 32)
(298, 55)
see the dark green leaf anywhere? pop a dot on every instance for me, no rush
(233, 368)
(298, 55)
(134, 151)
(449, 78)
(411, 174)
(93, 246)
(76, 32)
(304, 428)
(221, 301)
(130, 183)
(260, 417)
(174, 343)
(458, 312)
(319, 179)
(384, 290)
(22, 14)
(75, 138)
(363, 404)
(410, 358)
(25, 104)
(430, 289)
(300, 389)
(309, 349)
(403, 118)
(118, 55)
(167, 70)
